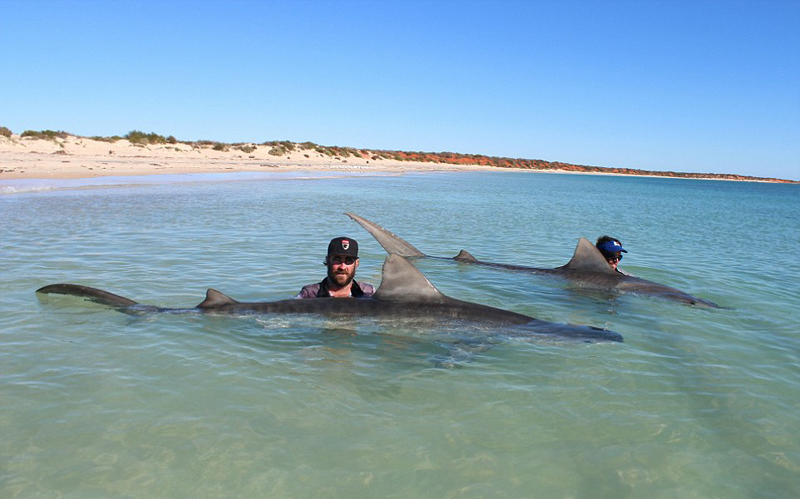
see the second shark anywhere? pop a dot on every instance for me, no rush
(587, 267)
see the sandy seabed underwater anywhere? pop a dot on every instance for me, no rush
(696, 402)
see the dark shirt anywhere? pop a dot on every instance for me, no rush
(320, 290)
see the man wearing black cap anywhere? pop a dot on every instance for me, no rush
(342, 262)
(612, 251)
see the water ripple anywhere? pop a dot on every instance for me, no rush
(695, 403)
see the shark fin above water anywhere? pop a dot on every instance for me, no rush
(216, 299)
(392, 243)
(588, 258)
(91, 294)
(465, 256)
(402, 281)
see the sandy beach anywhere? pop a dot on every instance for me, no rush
(81, 157)
(65, 156)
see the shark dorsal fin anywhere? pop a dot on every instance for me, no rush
(393, 244)
(465, 256)
(588, 257)
(215, 299)
(402, 281)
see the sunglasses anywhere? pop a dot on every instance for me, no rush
(348, 260)
(614, 258)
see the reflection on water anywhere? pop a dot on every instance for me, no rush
(695, 403)
(38, 185)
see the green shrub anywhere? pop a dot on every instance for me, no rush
(45, 134)
(113, 138)
(246, 148)
(156, 139)
(219, 146)
(349, 151)
(137, 137)
(5, 132)
(286, 145)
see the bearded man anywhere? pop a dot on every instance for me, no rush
(342, 262)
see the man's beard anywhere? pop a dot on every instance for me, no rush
(343, 278)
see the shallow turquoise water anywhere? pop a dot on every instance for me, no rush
(695, 403)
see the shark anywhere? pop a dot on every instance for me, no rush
(404, 292)
(587, 267)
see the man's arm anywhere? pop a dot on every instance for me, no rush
(309, 291)
(367, 288)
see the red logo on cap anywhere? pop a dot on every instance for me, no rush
(345, 244)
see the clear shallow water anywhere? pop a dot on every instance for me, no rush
(695, 403)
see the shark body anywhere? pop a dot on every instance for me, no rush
(587, 267)
(404, 293)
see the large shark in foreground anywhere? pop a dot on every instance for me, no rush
(587, 267)
(404, 293)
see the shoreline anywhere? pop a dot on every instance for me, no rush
(74, 157)
(82, 158)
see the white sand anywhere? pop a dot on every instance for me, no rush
(75, 157)
(80, 157)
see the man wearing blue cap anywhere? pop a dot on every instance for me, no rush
(342, 262)
(612, 251)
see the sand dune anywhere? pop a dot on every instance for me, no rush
(80, 157)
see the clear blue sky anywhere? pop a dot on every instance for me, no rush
(697, 86)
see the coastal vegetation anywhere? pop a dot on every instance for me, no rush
(286, 147)
(137, 137)
(45, 134)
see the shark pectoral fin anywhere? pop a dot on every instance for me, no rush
(215, 299)
(465, 256)
(402, 281)
(588, 257)
(393, 244)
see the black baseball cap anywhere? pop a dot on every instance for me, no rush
(343, 246)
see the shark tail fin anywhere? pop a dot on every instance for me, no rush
(91, 294)
(465, 256)
(402, 281)
(393, 244)
(215, 299)
(588, 257)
